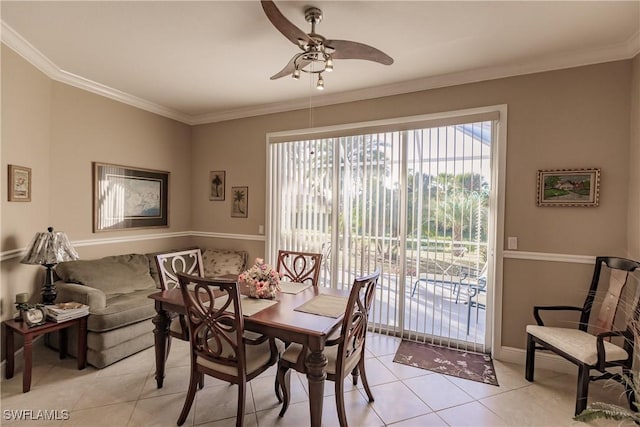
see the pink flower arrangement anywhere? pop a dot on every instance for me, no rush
(262, 279)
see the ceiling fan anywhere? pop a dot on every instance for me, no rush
(318, 52)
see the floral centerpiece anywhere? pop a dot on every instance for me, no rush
(262, 279)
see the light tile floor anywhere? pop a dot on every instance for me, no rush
(124, 394)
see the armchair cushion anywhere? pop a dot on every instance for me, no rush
(113, 275)
(218, 262)
(122, 310)
(576, 343)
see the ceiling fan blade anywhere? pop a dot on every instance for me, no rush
(345, 49)
(290, 67)
(282, 24)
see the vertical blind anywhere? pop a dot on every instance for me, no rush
(412, 202)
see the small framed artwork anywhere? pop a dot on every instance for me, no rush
(125, 197)
(240, 205)
(216, 185)
(19, 184)
(569, 187)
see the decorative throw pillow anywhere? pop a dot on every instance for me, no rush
(218, 262)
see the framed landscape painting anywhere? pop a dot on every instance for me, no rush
(216, 185)
(125, 197)
(569, 187)
(240, 202)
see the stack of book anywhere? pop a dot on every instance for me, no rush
(66, 311)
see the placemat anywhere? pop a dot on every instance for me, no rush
(324, 305)
(293, 287)
(250, 306)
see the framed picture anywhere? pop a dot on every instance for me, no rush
(240, 205)
(216, 185)
(19, 184)
(126, 197)
(569, 187)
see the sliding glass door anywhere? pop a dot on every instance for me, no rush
(412, 202)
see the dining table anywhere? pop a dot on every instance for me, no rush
(281, 320)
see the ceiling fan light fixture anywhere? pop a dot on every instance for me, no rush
(320, 84)
(328, 64)
(296, 74)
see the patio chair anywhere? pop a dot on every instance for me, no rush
(594, 349)
(345, 353)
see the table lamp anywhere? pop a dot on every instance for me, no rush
(48, 249)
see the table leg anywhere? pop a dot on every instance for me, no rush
(316, 363)
(64, 342)
(82, 343)
(9, 351)
(161, 335)
(28, 361)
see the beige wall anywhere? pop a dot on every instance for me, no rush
(58, 130)
(634, 164)
(26, 141)
(563, 119)
(569, 118)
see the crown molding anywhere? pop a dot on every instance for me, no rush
(625, 50)
(22, 47)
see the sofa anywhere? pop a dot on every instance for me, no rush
(116, 289)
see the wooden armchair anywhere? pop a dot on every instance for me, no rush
(345, 353)
(299, 267)
(591, 350)
(169, 265)
(219, 346)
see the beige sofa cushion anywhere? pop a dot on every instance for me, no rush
(113, 275)
(218, 262)
(122, 310)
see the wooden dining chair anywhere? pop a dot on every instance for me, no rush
(299, 267)
(169, 265)
(345, 353)
(219, 346)
(590, 346)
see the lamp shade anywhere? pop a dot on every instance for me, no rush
(49, 248)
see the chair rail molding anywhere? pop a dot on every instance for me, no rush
(15, 253)
(552, 257)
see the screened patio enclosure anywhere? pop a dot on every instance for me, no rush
(413, 202)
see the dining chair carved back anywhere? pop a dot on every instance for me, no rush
(169, 265)
(219, 346)
(598, 345)
(299, 267)
(345, 352)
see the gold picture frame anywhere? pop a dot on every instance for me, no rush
(568, 187)
(19, 183)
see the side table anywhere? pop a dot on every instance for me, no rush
(11, 327)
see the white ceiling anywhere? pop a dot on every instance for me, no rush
(204, 61)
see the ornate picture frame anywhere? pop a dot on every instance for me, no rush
(568, 187)
(217, 183)
(19, 182)
(125, 197)
(240, 202)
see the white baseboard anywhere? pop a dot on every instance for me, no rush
(544, 360)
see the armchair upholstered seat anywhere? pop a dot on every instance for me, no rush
(593, 346)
